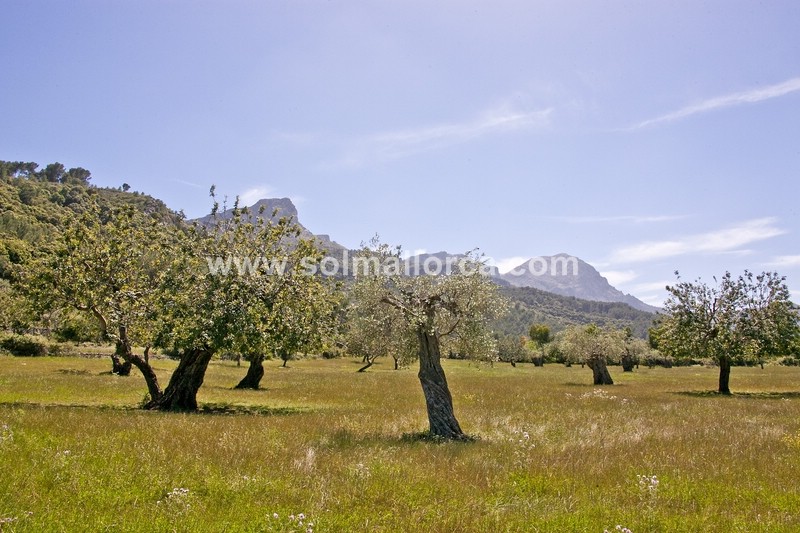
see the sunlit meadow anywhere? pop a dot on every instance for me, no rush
(323, 448)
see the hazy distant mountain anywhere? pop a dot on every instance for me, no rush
(569, 276)
(438, 264)
(281, 207)
(561, 274)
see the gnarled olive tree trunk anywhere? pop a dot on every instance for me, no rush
(125, 351)
(119, 365)
(628, 362)
(441, 418)
(150, 378)
(255, 372)
(181, 393)
(599, 370)
(369, 360)
(724, 374)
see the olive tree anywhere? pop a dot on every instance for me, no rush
(244, 284)
(443, 312)
(592, 346)
(146, 283)
(512, 349)
(302, 311)
(633, 350)
(374, 332)
(751, 316)
(109, 264)
(540, 337)
(282, 304)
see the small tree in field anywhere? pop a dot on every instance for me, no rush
(451, 310)
(109, 264)
(512, 349)
(593, 346)
(290, 311)
(374, 332)
(749, 316)
(633, 349)
(540, 337)
(284, 306)
(303, 313)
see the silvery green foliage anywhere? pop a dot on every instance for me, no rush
(255, 311)
(455, 307)
(750, 316)
(109, 263)
(583, 344)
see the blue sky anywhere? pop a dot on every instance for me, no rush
(643, 137)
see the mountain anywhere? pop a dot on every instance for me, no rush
(275, 209)
(33, 211)
(438, 263)
(561, 274)
(568, 275)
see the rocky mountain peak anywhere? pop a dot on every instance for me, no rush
(284, 207)
(569, 275)
(281, 207)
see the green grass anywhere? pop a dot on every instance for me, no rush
(553, 453)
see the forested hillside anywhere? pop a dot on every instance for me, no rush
(35, 204)
(529, 306)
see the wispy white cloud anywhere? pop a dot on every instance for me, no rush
(651, 286)
(190, 183)
(254, 194)
(619, 277)
(507, 264)
(397, 144)
(785, 261)
(729, 100)
(634, 219)
(721, 241)
(656, 300)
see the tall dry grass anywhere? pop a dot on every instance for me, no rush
(553, 453)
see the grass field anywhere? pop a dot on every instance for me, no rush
(553, 453)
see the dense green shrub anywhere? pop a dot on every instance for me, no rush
(24, 345)
(76, 327)
(655, 358)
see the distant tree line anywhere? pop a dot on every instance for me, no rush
(52, 173)
(531, 306)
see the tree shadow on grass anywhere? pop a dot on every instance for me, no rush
(261, 410)
(203, 409)
(76, 372)
(762, 395)
(425, 436)
(343, 439)
(589, 385)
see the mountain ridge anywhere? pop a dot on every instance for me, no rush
(35, 212)
(275, 209)
(569, 275)
(562, 274)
